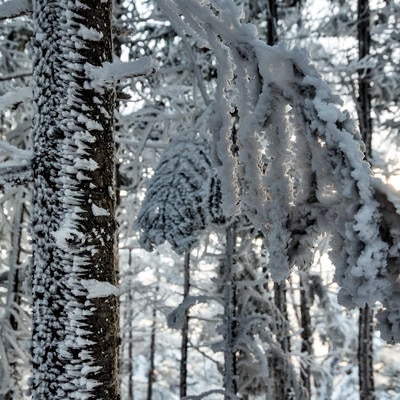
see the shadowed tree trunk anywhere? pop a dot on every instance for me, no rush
(229, 315)
(306, 333)
(280, 373)
(75, 319)
(151, 372)
(365, 335)
(185, 329)
(130, 327)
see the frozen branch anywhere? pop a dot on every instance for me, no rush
(175, 319)
(110, 73)
(11, 99)
(15, 76)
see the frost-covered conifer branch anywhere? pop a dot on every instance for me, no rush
(182, 196)
(389, 317)
(262, 81)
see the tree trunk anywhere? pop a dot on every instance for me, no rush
(229, 316)
(272, 20)
(129, 307)
(306, 335)
(365, 354)
(75, 329)
(13, 292)
(151, 373)
(185, 330)
(364, 76)
(365, 336)
(283, 382)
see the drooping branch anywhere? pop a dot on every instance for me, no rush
(258, 80)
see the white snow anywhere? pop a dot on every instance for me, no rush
(99, 212)
(117, 70)
(97, 288)
(19, 95)
(89, 33)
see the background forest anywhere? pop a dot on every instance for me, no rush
(208, 306)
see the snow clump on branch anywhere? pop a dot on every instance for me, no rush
(330, 193)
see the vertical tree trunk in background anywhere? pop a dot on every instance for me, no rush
(185, 329)
(272, 19)
(229, 315)
(75, 336)
(306, 335)
(365, 336)
(13, 292)
(280, 373)
(129, 323)
(364, 75)
(365, 354)
(151, 373)
(282, 380)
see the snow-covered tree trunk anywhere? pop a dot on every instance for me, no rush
(365, 335)
(75, 311)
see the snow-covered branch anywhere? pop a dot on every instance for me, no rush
(332, 192)
(110, 73)
(19, 95)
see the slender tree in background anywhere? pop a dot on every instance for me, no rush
(75, 333)
(151, 374)
(14, 295)
(279, 364)
(185, 328)
(365, 335)
(230, 323)
(306, 333)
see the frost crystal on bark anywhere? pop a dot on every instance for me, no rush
(73, 355)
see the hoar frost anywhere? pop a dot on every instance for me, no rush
(332, 193)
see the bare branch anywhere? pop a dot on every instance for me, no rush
(16, 76)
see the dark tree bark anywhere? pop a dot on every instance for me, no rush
(75, 329)
(272, 20)
(280, 373)
(306, 334)
(185, 329)
(129, 323)
(365, 336)
(365, 354)
(229, 315)
(283, 382)
(364, 75)
(151, 373)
